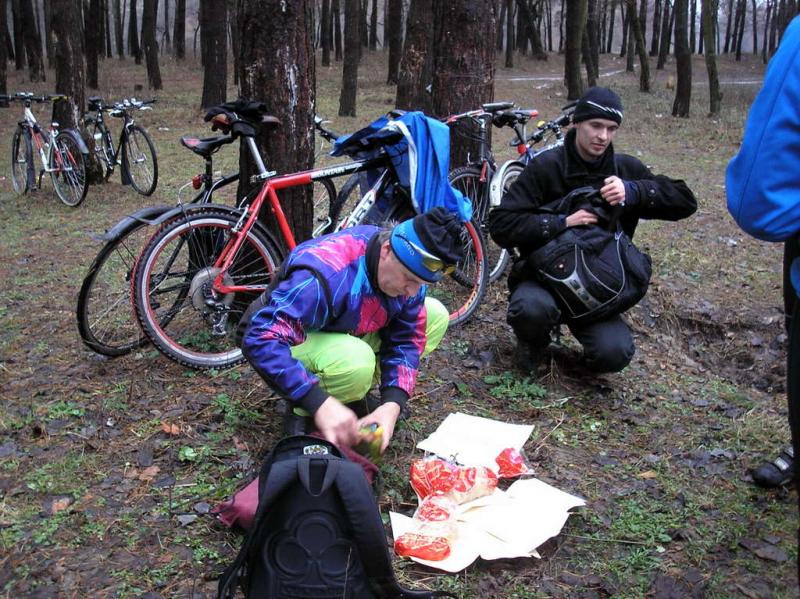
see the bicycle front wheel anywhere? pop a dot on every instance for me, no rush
(68, 169)
(106, 321)
(324, 200)
(462, 292)
(139, 161)
(175, 303)
(21, 160)
(467, 180)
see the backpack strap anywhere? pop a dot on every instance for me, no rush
(370, 538)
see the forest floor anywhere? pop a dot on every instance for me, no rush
(108, 467)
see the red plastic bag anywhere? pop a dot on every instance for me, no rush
(462, 484)
(433, 532)
(512, 463)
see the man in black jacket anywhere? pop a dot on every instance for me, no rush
(586, 159)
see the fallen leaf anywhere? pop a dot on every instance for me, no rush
(647, 474)
(170, 429)
(239, 445)
(149, 473)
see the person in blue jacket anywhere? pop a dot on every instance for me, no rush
(763, 188)
(347, 309)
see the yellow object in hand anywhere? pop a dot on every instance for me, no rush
(371, 441)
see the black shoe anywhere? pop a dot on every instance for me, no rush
(293, 424)
(527, 358)
(778, 472)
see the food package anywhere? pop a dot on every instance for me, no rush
(459, 483)
(433, 532)
(511, 463)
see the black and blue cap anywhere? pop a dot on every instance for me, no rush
(598, 103)
(430, 244)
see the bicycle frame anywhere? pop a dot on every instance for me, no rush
(268, 193)
(44, 144)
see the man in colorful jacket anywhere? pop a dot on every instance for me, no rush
(763, 188)
(348, 308)
(587, 158)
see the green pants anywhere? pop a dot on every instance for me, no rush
(348, 366)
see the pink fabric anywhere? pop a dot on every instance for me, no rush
(240, 509)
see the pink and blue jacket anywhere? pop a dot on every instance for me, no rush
(330, 284)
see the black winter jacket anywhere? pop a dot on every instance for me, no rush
(519, 223)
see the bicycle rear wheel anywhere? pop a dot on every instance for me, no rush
(324, 200)
(139, 161)
(106, 320)
(21, 160)
(100, 139)
(68, 169)
(462, 292)
(176, 307)
(467, 180)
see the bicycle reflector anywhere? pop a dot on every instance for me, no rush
(197, 181)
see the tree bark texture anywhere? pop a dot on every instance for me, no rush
(641, 49)
(709, 15)
(33, 43)
(19, 44)
(93, 43)
(528, 16)
(656, 28)
(692, 21)
(575, 23)
(463, 63)
(179, 30)
(326, 32)
(120, 47)
(133, 34)
(214, 44)
(150, 44)
(728, 27)
(3, 49)
(352, 52)
(279, 70)
(666, 29)
(416, 64)
(591, 44)
(508, 8)
(373, 26)
(394, 29)
(683, 61)
(48, 35)
(70, 75)
(166, 38)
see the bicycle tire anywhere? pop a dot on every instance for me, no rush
(348, 195)
(196, 334)
(106, 320)
(21, 162)
(68, 172)
(467, 180)
(139, 161)
(324, 201)
(101, 150)
(462, 294)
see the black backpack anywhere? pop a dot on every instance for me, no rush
(593, 271)
(317, 532)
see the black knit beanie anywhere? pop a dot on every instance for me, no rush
(441, 233)
(598, 103)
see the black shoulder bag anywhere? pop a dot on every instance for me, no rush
(594, 271)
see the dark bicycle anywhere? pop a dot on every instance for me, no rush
(134, 151)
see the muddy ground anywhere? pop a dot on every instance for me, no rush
(108, 467)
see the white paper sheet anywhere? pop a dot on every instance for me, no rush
(475, 441)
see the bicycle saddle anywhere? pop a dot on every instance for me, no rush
(205, 146)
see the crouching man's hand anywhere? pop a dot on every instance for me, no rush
(337, 423)
(385, 416)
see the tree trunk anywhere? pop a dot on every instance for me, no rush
(363, 26)
(766, 31)
(70, 79)
(611, 18)
(692, 21)
(499, 38)
(48, 35)
(642, 21)
(233, 31)
(592, 45)
(33, 43)
(373, 26)
(623, 47)
(133, 34)
(214, 44)
(683, 61)
(575, 23)
(416, 64)
(19, 44)
(666, 29)
(118, 30)
(755, 27)
(728, 27)
(394, 29)
(463, 71)
(3, 49)
(352, 19)
(630, 55)
(337, 30)
(167, 40)
(531, 31)
(740, 35)
(279, 69)
(179, 30)
(709, 14)
(508, 7)
(93, 43)
(325, 32)
(641, 49)
(149, 13)
(107, 14)
(656, 28)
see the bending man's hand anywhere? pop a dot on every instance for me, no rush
(580, 218)
(385, 416)
(613, 191)
(337, 423)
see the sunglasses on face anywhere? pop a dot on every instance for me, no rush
(429, 261)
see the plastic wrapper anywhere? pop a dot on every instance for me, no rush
(434, 530)
(511, 463)
(461, 484)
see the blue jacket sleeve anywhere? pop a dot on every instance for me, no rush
(295, 306)
(763, 180)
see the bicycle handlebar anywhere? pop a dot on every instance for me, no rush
(319, 124)
(485, 111)
(31, 97)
